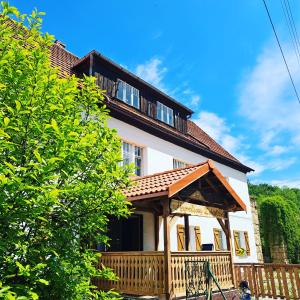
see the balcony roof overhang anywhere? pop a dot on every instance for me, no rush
(201, 184)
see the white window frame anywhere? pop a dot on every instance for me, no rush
(177, 163)
(132, 156)
(165, 114)
(133, 92)
(242, 240)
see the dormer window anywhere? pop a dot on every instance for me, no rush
(165, 114)
(128, 94)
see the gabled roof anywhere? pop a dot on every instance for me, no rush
(169, 183)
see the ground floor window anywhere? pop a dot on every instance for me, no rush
(241, 243)
(126, 234)
(219, 240)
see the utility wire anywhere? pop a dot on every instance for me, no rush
(291, 29)
(293, 22)
(278, 42)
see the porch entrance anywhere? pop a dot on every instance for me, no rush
(154, 273)
(126, 234)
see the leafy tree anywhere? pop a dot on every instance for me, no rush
(60, 173)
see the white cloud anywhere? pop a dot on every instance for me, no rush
(278, 149)
(195, 100)
(219, 130)
(268, 101)
(281, 164)
(152, 72)
(292, 183)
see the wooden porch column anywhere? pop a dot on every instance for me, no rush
(167, 250)
(229, 245)
(156, 231)
(187, 232)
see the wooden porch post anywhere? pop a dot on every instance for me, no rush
(156, 231)
(167, 250)
(187, 232)
(229, 246)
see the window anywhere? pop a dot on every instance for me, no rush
(219, 240)
(128, 94)
(132, 154)
(178, 164)
(241, 243)
(165, 114)
(194, 238)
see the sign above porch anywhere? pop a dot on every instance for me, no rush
(185, 208)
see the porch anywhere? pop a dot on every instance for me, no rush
(199, 190)
(142, 272)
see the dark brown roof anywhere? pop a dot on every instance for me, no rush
(63, 59)
(195, 136)
(195, 132)
(169, 183)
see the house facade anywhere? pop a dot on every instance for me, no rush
(169, 152)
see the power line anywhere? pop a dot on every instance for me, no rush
(278, 42)
(289, 24)
(293, 22)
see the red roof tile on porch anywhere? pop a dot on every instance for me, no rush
(170, 182)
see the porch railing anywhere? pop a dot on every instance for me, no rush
(142, 272)
(271, 280)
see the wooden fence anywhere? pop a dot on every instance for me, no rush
(271, 280)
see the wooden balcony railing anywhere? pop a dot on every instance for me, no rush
(142, 273)
(271, 280)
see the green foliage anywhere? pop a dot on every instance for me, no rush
(60, 173)
(279, 217)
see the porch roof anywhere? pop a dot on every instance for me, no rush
(177, 182)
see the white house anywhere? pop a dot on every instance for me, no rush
(158, 136)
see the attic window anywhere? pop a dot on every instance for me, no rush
(165, 114)
(128, 94)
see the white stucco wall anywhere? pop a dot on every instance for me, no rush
(158, 156)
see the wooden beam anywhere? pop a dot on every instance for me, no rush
(229, 246)
(224, 228)
(167, 249)
(156, 231)
(187, 232)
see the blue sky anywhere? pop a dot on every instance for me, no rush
(218, 57)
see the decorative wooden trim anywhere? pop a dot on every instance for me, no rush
(187, 179)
